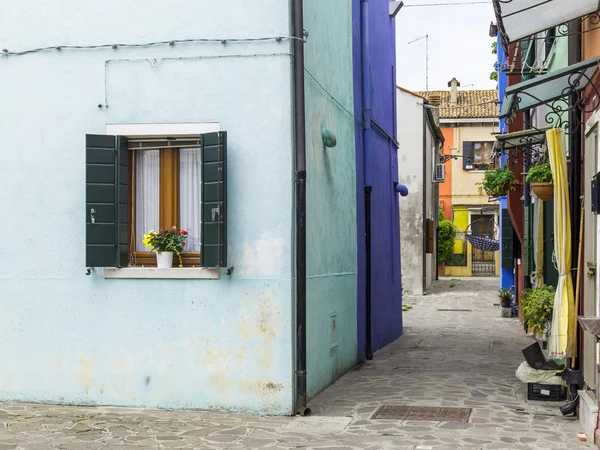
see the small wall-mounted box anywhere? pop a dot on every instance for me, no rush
(595, 194)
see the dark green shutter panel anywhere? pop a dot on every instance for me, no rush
(214, 200)
(549, 42)
(106, 201)
(467, 155)
(529, 264)
(550, 272)
(527, 57)
(507, 241)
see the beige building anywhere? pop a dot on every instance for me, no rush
(468, 120)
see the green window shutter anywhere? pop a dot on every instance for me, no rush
(527, 57)
(507, 241)
(106, 201)
(528, 262)
(467, 155)
(213, 251)
(549, 42)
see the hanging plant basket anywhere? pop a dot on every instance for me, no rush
(543, 191)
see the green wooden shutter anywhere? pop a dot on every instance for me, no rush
(507, 241)
(528, 262)
(467, 155)
(527, 57)
(550, 272)
(106, 213)
(214, 200)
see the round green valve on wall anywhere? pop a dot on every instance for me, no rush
(329, 138)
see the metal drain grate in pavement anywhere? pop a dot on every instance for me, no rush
(423, 413)
(465, 310)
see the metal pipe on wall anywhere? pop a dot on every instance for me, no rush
(424, 262)
(300, 188)
(575, 145)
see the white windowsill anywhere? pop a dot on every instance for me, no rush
(179, 273)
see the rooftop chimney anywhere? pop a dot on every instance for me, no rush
(453, 84)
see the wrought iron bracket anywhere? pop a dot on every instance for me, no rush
(447, 157)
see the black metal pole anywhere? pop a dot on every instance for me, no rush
(300, 132)
(424, 211)
(369, 345)
(527, 188)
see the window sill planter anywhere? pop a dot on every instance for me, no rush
(157, 273)
(543, 191)
(164, 260)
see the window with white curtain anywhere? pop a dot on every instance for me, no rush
(167, 192)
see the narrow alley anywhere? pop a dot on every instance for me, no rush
(456, 352)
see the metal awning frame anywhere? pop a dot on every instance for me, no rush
(562, 29)
(577, 77)
(520, 145)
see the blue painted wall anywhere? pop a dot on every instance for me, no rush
(386, 272)
(208, 344)
(507, 278)
(331, 194)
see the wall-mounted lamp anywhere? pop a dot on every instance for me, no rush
(395, 8)
(329, 138)
(400, 188)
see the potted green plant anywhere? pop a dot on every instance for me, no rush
(497, 182)
(538, 305)
(505, 297)
(541, 180)
(165, 243)
(446, 235)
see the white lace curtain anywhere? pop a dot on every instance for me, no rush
(147, 187)
(147, 184)
(190, 196)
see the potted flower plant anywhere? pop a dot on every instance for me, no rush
(165, 243)
(538, 305)
(497, 182)
(505, 297)
(541, 181)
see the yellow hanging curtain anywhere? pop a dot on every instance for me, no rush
(563, 333)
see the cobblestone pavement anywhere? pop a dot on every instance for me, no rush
(446, 358)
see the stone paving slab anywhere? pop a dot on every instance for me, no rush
(445, 358)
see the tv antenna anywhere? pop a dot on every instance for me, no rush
(426, 37)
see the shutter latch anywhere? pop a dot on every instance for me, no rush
(215, 212)
(93, 215)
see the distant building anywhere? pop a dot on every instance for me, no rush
(468, 119)
(420, 169)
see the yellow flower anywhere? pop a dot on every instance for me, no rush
(146, 240)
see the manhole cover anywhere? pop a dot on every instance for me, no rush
(423, 413)
(465, 310)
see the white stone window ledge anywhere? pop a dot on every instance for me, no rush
(179, 273)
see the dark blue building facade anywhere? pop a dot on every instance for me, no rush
(379, 270)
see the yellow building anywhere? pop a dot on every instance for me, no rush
(468, 119)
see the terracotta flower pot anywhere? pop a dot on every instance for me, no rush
(442, 269)
(543, 191)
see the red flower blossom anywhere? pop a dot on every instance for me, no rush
(183, 232)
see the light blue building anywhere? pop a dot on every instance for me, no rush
(119, 118)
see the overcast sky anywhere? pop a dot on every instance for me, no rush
(459, 44)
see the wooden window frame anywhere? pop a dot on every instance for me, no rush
(169, 199)
(493, 163)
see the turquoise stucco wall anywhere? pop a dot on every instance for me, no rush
(211, 344)
(331, 194)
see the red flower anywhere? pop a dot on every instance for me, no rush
(174, 227)
(183, 232)
(183, 243)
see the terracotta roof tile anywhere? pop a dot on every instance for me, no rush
(471, 104)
